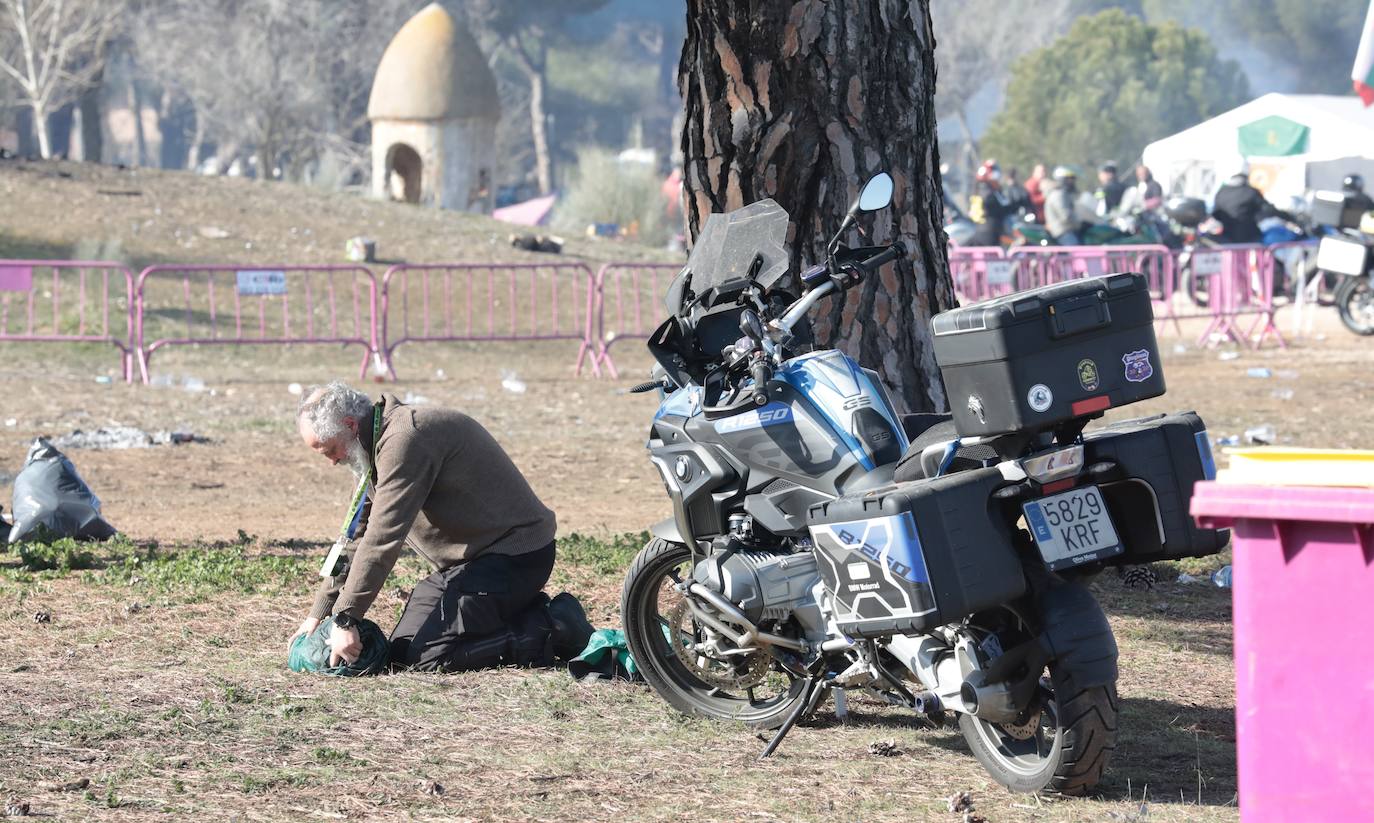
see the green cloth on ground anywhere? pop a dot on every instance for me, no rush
(607, 655)
(310, 653)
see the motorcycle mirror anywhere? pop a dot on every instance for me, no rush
(751, 325)
(876, 193)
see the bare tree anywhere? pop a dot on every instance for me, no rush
(525, 28)
(52, 50)
(270, 74)
(800, 102)
(978, 40)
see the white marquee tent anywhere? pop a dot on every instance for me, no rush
(1292, 142)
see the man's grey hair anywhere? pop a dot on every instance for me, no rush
(325, 407)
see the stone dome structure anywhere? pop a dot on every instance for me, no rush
(434, 110)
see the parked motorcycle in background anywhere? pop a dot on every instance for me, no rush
(1346, 254)
(822, 543)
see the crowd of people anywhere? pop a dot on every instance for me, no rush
(1001, 200)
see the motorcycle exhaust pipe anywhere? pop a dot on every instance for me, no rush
(990, 702)
(751, 634)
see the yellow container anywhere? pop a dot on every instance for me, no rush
(1299, 467)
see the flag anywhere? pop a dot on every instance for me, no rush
(1363, 73)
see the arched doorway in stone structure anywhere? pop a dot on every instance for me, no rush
(403, 167)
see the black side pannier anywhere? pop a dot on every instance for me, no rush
(913, 556)
(1034, 359)
(1158, 460)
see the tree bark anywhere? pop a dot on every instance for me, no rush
(40, 127)
(92, 121)
(802, 102)
(140, 139)
(533, 67)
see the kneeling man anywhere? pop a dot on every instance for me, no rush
(436, 480)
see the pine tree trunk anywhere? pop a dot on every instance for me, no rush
(92, 121)
(543, 162)
(802, 102)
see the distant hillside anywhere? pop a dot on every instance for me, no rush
(139, 217)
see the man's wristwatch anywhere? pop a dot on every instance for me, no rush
(344, 620)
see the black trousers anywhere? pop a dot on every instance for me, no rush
(486, 612)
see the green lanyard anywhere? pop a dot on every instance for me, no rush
(362, 482)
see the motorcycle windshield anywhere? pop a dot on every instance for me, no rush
(728, 245)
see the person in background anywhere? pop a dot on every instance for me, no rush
(1109, 189)
(1353, 189)
(1146, 195)
(1035, 191)
(1239, 207)
(989, 207)
(1016, 193)
(1062, 219)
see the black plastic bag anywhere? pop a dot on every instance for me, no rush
(52, 501)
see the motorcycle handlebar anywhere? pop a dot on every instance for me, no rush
(883, 257)
(760, 372)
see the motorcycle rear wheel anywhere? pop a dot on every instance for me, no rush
(1355, 303)
(647, 608)
(1065, 754)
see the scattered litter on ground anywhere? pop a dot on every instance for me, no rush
(1221, 578)
(104, 379)
(1179, 348)
(192, 384)
(295, 389)
(961, 802)
(884, 748)
(413, 399)
(125, 437)
(512, 383)
(11, 421)
(1229, 440)
(42, 617)
(134, 607)
(1286, 374)
(14, 809)
(161, 381)
(1188, 578)
(213, 233)
(1259, 371)
(440, 375)
(431, 787)
(537, 242)
(51, 499)
(1263, 435)
(1282, 394)
(360, 250)
(1229, 355)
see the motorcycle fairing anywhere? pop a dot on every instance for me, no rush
(841, 391)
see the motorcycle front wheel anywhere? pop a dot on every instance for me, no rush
(666, 643)
(1355, 303)
(1062, 749)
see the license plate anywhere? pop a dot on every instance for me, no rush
(1072, 528)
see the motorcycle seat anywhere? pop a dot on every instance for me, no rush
(930, 436)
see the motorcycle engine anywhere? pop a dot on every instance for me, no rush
(767, 586)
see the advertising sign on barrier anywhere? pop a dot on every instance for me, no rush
(16, 278)
(1001, 272)
(261, 282)
(1208, 262)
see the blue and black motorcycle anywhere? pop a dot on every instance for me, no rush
(820, 542)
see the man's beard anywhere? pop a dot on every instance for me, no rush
(357, 459)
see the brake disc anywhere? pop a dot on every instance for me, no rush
(736, 672)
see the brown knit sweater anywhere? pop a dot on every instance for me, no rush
(445, 487)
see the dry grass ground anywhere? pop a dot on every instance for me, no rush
(158, 689)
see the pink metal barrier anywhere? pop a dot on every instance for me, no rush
(454, 302)
(69, 301)
(1241, 282)
(634, 292)
(980, 272)
(257, 305)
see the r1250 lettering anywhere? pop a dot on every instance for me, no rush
(822, 542)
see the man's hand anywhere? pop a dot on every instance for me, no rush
(308, 626)
(344, 645)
